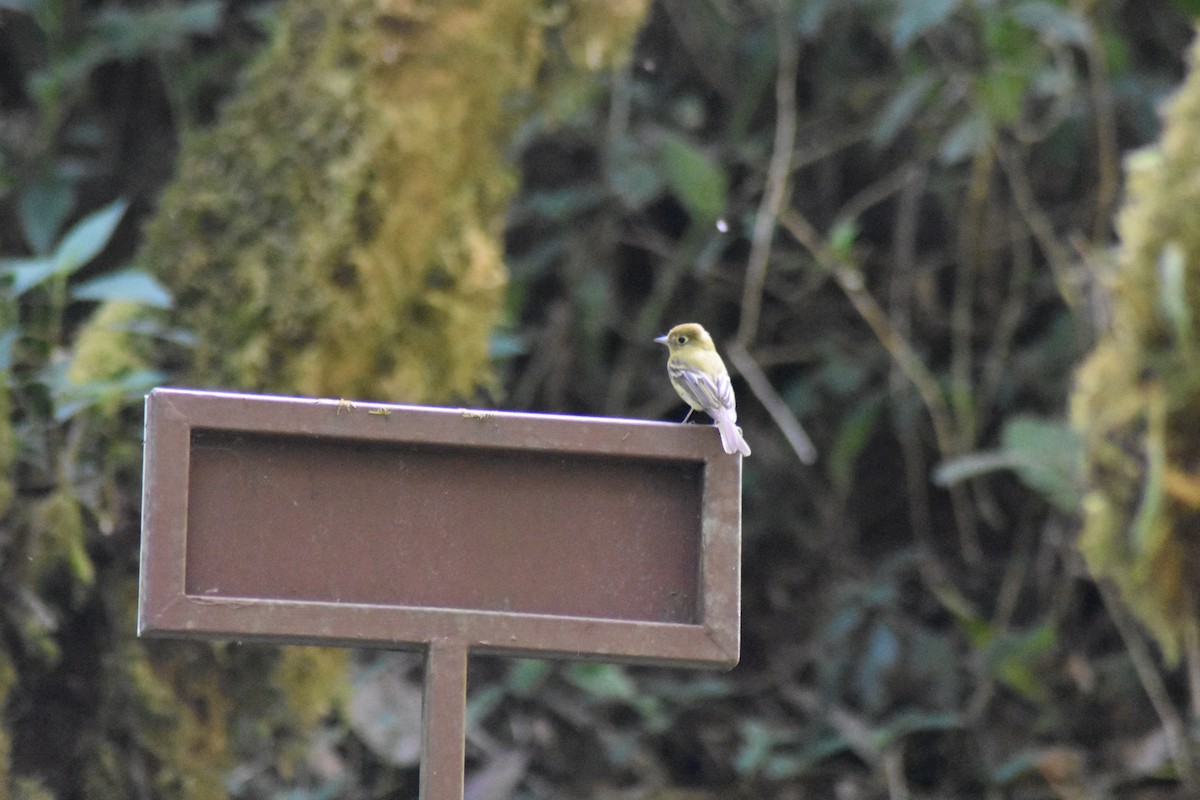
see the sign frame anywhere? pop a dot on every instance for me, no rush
(167, 609)
(707, 636)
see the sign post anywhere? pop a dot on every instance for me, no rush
(306, 521)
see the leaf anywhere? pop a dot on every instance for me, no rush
(912, 721)
(882, 653)
(1049, 458)
(42, 209)
(1172, 292)
(902, 107)
(917, 16)
(968, 137)
(503, 345)
(87, 238)
(932, 659)
(125, 34)
(696, 179)
(1001, 92)
(483, 702)
(385, 709)
(602, 681)
(526, 675)
(27, 273)
(757, 743)
(1053, 21)
(972, 465)
(560, 205)
(1015, 658)
(853, 434)
(1015, 768)
(1046, 455)
(810, 16)
(70, 399)
(633, 174)
(130, 284)
(8, 341)
(842, 237)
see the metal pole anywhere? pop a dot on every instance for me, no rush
(443, 743)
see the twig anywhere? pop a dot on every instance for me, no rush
(783, 417)
(888, 760)
(1056, 253)
(1107, 152)
(700, 48)
(904, 249)
(775, 193)
(851, 283)
(1156, 690)
(762, 236)
(897, 346)
(970, 263)
(1191, 655)
(893, 771)
(1012, 312)
(878, 191)
(540, 367)
(827, 143)
(851, 727)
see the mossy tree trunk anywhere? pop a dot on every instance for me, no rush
(337, 232)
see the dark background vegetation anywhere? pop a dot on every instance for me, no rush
(917, 621)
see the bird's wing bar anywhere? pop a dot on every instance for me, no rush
(709, 393)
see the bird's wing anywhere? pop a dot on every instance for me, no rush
(709, 393)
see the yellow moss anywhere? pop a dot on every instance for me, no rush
(305, 675)
(30, 789)
(104, 347)
(173, 700)
(1137, 397)
(59, 537)
(339, 232)
(187, 741)
(312, 683)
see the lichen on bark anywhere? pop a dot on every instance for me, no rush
(338, 232)
(1137, 396)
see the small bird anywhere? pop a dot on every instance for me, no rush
(700, 378)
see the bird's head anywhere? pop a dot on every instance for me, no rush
(688, 336)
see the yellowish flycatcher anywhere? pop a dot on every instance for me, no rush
(700, 378)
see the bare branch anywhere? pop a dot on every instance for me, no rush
(773, 197)
(784, 419)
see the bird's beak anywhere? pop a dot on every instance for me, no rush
(662, 339)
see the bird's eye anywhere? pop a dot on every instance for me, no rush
(681, 339)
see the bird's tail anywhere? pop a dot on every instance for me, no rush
(731, 435)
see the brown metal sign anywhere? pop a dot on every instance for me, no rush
(366, 525)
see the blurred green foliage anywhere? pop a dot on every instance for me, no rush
(1138, 396)
(917, 622)
(88, 710)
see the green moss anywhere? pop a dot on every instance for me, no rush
(339, 232)
(178, 717)
(1137, 398)
(105, 349)
(59, 540)
(30, 789)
